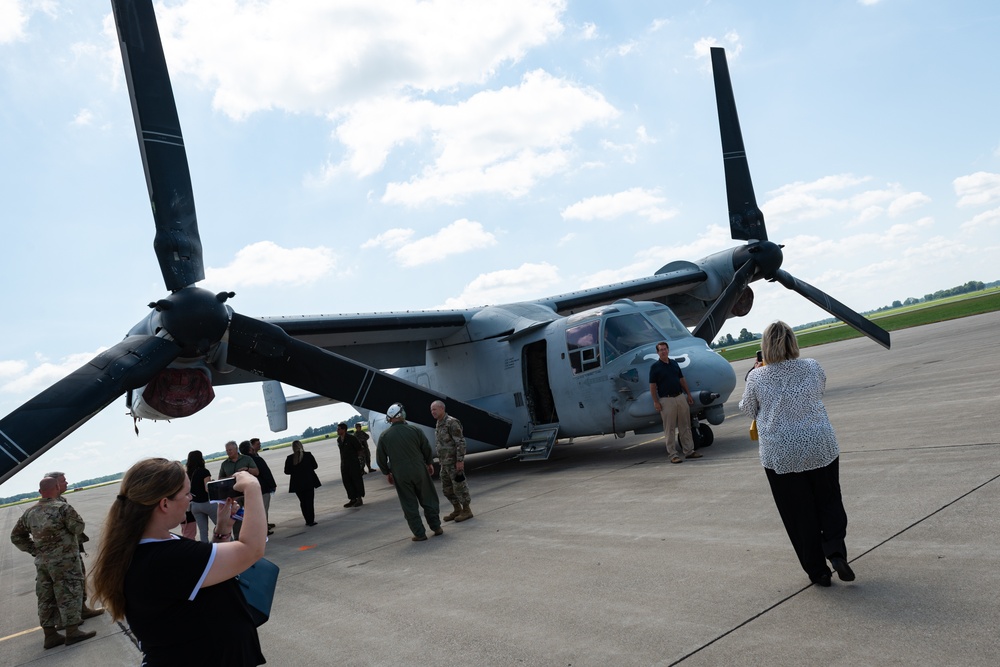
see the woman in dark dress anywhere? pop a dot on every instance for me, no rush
(300, 466)
(155, 580)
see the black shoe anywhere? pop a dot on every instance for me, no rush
(270, 525)
(351, 504)
(311, 523)
(821, 580)
(844, 570)
(358, 502)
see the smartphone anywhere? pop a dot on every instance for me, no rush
(221, 489)
(760, 356)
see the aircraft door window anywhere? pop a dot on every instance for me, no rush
(582, 345)
(627, 332)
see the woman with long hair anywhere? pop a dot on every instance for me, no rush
(300, 466)
(154, 579)
(799, 452)
(202, 509)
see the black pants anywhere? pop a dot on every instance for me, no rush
(812, 510)
(306, 497)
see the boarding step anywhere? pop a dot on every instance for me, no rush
(539, 443)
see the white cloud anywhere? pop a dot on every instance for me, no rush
(458, 237)
(506, 286)
(588, 31)
(730, 41)
(392, 238)
(11, 368)
(837, 195)
(266, 263)
(498, 141)
(907, 202)
(13, 19)
(648, 204)
(348, 50)
(46, 373)
(978, 189)
(985, 219)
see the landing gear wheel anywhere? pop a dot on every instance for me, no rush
(702, 436)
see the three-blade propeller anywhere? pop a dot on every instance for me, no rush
(192, 321)
(760, 258)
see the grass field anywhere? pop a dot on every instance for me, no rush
(899, 318)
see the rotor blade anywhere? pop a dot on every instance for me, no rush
(177, 243)
(834, 307)
(33, 428)
(746, 221)
(266, 350)
(711, 322)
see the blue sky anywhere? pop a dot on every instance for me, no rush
(363, 156)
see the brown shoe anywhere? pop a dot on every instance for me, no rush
(74, 635)
(694, 455)
(53, 638)
(87, 612)
(465, 514)
(438, 531)
(418, 538)
(451, 517)
(676, 459)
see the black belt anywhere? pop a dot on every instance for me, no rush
(673, 395)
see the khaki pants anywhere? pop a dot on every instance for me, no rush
(676, 414)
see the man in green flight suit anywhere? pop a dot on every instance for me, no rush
(404, 455)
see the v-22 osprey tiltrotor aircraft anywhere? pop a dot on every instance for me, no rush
(518, 375)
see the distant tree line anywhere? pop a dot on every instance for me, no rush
(971, 286)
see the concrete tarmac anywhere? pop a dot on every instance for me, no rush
(607, 554)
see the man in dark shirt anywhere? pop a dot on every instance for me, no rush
(232, 465)
(672, 399)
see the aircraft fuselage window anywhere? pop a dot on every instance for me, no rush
(582, 346)
(627, 332)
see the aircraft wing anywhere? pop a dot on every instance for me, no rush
(658, 287)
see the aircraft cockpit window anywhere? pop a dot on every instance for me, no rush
(627, 332)
(668, 324)
(581, 343)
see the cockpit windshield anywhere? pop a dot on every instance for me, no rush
(667, 322)
(628, 332)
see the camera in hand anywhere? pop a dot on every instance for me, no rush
(760, 356)
(221, 489)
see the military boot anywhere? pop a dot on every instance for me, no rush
(453, 515)
(465, 513)
(87, 612)
(53, 638)
(74, 635)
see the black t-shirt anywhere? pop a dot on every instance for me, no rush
(198, 492)
(214, 629)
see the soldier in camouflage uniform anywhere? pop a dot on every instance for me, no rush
(451, 454)
(85, 611)
(50, 531)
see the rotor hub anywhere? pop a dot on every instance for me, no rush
(195, 318)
